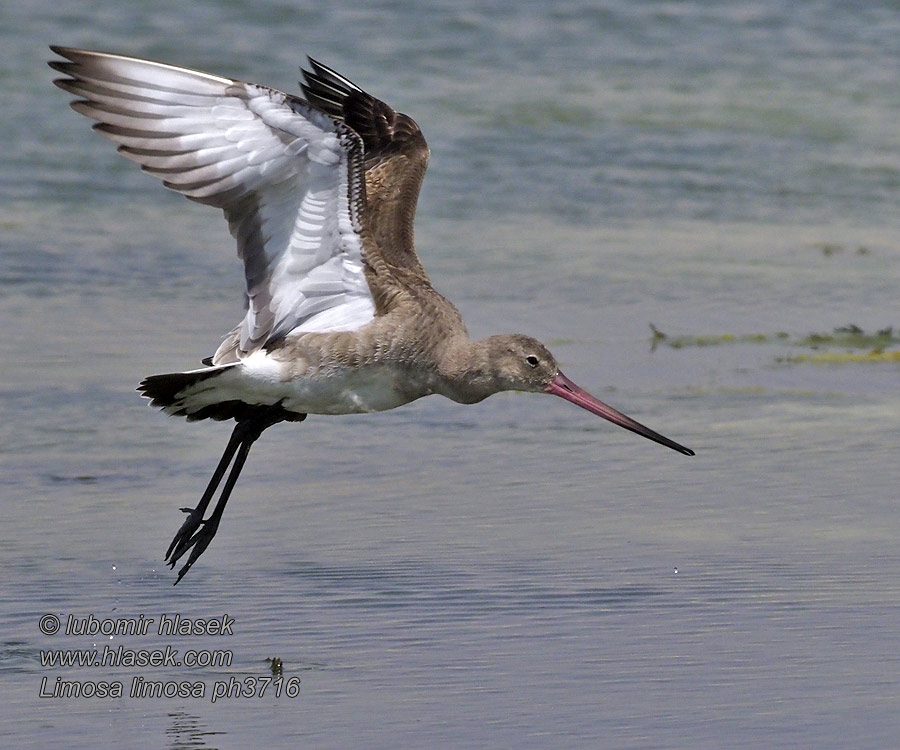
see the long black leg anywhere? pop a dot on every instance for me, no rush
(204, 535)
(198, 532)
(179, 544)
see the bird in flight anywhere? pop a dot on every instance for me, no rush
(320, 194)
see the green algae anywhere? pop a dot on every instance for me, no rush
(846, 344)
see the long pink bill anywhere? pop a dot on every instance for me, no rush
(564, 388)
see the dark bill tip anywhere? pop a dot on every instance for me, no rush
(564, 388)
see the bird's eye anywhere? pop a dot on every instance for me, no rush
(532, 360)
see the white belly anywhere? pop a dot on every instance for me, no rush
(260, 379)
(351, 392)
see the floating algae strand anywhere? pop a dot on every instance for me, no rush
(851, 338)
(844, 357)
(680, 342)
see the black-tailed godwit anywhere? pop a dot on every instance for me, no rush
(320, 193)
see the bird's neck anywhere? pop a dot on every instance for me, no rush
(466, 372)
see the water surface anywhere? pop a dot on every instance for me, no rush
(516, 573)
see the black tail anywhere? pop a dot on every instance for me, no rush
(195, 395)
(181, 394)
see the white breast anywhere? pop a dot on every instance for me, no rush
(375, 387)
(372, 388)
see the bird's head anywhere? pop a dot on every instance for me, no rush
(515, 362)
(520, 363)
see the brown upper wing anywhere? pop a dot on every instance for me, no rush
(395, 159)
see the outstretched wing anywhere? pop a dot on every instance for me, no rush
(396, 156)
(288, 177)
